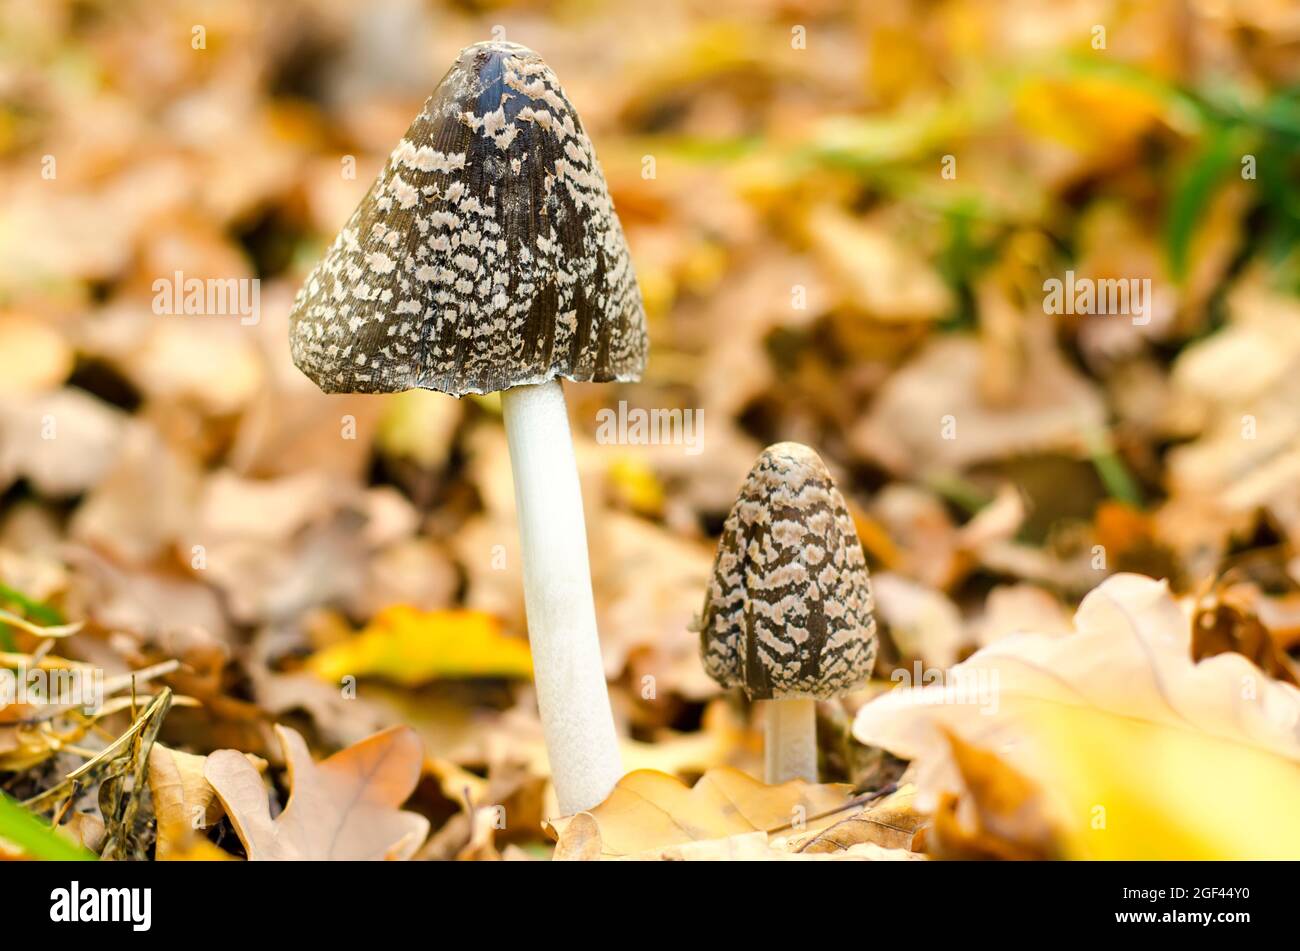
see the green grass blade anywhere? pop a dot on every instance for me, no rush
(34, 837)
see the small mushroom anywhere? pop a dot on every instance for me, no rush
(487, 257)
(788, 611)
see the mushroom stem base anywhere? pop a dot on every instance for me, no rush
(790, 748)
(572, 696)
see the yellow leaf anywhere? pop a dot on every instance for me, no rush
(1134, 790)
(198, 850)
(1090, 114)
(33, 355)
(418, 425)
(637, 485)
(409, 646)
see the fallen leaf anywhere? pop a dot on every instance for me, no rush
(648, 810)
(85, 829)
(1116, 715)
(1119, 788)
(581, 840)
(890, 822)
(1010, 822)
(408, 646)
(1225, 622)
(875, 271)
(343, 808)
(419, 425)
(923, 623)
(63, 442)
(34, 356)
(183, 800)
(931, 416)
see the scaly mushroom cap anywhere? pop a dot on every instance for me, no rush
(788, 612)
(486, 255)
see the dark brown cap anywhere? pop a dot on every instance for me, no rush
(788, 612)
(486, 255)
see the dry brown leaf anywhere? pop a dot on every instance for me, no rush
(890, 822)
(930, 416)
(62, 442)
(1115, 717)
(1226, 623)
(649, 811)
(1010, 821)
(924, 623)
(84, 828)
(581, 840)
(343, 808)
(756, 846)
(508, 806)
(876, 272)
(183, 800)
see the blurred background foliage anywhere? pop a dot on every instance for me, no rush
(809, 271)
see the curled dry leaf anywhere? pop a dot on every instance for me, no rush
(183, 800)
(1117, 726)
(343, 808)
(1225, 622)
(85, 829)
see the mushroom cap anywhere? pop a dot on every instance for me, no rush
(486, 255)
(788, 611)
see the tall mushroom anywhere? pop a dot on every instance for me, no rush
(788, 611)
(487, 257)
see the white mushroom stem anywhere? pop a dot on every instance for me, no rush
(790, 747)
(571, 691)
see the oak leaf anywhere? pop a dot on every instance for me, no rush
(1135, 749)
(890, 822)
(648, 812)
(344, 808)
(184, 801)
